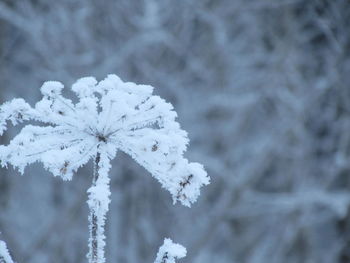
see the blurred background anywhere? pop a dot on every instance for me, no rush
(262, 87)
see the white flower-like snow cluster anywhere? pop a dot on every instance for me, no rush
(111, 115)
(170, 251)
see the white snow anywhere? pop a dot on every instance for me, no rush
(51, 88)
(170, 251)
(4, 253)
(15, 111)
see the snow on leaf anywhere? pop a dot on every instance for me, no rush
(170, 251)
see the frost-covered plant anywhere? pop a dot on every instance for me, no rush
(4, 253)
(169, 251)
(111, 115)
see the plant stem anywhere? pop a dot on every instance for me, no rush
(96, 234)
(99, 200)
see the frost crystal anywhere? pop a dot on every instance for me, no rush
(169, 251)
(4, 254)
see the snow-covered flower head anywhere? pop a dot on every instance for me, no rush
(111, 115)
(170, 251)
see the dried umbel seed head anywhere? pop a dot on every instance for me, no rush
(110, 116)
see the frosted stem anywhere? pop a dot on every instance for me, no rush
(96, 228)
(99, 193)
